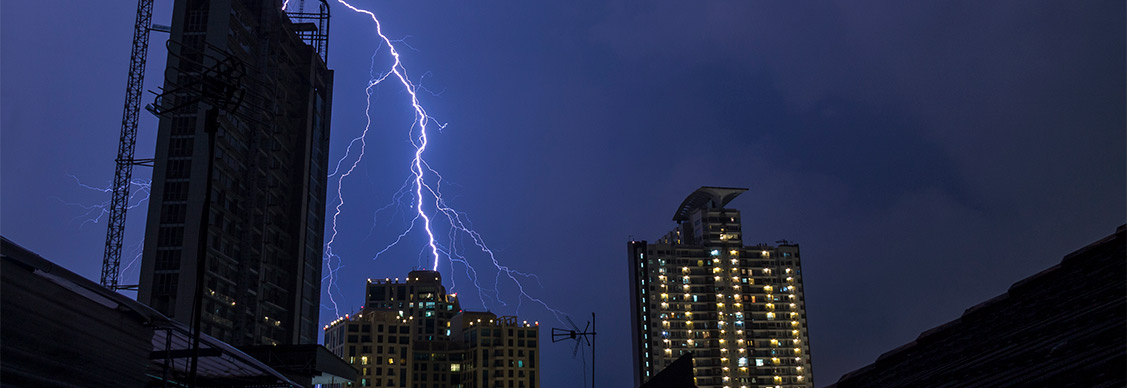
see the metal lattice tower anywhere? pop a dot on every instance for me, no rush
(119, 205)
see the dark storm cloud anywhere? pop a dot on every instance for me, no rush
(925, 154)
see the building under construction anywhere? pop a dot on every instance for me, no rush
(234, 234)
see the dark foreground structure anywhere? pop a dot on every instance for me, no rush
(679, 374)
(61, 329)
(241, 159)
(1063, 327)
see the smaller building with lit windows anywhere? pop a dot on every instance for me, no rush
(412, 334)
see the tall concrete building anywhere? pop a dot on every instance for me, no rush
(412, 334)
(265, 217)
(738, 309)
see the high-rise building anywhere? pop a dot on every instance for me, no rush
(265, 216)
(413, 334)
(738, 309)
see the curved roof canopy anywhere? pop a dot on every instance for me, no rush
(706, 197)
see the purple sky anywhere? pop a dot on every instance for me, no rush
(926, 155)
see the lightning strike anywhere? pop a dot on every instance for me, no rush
(137, 250)
(417, 184)
(138, 196)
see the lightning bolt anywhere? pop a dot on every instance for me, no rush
(137, 250)
(138, 195)
(94, 213)
(417, 184)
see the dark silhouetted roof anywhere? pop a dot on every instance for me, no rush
(1063, 327)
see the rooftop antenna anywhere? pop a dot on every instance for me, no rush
(579, 336)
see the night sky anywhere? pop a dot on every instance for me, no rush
(925, 155)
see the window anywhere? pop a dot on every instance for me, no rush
(168, 260)
(183, 126)
(170, 236)
(196, 20)
(180, 147)
(178, 168)
(175, 191)
(165, 283)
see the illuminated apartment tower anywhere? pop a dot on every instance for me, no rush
(264, 222)
(413, 334)
(738, 309)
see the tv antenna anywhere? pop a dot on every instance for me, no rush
(580, 336)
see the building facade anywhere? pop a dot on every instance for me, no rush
(738, 309)
(265, 217)
(413, 334)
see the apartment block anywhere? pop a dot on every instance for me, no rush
(738, 309)
(412, 333)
